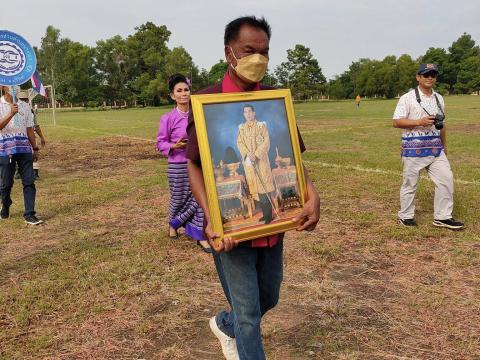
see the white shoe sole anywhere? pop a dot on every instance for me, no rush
(35, 223)
(222, 337)
(442, 225)
(401, 223)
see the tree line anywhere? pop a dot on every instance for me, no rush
(459, 72)
(134, 70)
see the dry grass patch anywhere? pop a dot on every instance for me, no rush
(101, 280)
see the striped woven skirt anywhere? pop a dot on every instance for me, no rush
(183, 209)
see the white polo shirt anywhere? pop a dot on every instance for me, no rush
(419, 141)
(13, 137)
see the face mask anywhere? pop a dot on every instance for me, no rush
(252, 67)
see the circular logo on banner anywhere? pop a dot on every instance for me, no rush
(17, 59)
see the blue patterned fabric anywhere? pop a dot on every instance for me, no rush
(183, 209)
(13, 137)
(420, 146)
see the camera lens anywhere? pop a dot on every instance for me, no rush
(438, 121)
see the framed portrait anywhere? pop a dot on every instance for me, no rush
(251, 162)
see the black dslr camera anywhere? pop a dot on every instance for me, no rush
(438, 121)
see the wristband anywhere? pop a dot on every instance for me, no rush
(36, 148)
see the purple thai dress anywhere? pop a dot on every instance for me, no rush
(183, 209)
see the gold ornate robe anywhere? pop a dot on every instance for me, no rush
(254, 138)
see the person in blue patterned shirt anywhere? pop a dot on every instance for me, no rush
(17, 147)
(424, 146)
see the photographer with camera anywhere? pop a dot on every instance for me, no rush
(420, 113)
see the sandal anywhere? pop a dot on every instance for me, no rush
(206, 249)
(173, 237)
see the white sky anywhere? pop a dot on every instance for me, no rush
(337, 32)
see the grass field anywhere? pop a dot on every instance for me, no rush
(101, 280)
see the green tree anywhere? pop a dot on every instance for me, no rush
(350, 79)
(338, 87)
(148, 48)
(447, 69)
(80, 78)
(453, 62)
(69, 66)
(141, 87)
(301, 73)
(346, 85)
(202, 80)
(115, 66)
(148, 53)
(463, 53)
(177, 60)
(366, 82)
(50, 54)
(405, 68)
(180, 61)
(468, 78)
(217, 71)
(386, 77)
(270, 79)
(463, 48)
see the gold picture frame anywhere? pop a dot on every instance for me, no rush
(240, 188)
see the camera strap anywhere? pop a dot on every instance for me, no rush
(417, 95)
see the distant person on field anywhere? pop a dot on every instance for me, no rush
(420, 114)
(357, 101)
(18, 147)
(172, 142)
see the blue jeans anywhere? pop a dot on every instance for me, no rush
(251, 280)
(25, 169)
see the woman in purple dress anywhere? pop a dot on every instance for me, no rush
(172, 142)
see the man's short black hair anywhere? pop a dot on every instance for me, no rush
(175, 79)
(248, 106)
(233, 27)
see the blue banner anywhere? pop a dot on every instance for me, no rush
(17, 59)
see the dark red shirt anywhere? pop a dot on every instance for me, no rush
(193, 153)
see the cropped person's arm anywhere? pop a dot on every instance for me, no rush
(310, 215)
(33, 142)
(410, 124)
(38, 130)
(163, 137)
(6, 119)
(443, 137)
(31, 137)
(197, 185)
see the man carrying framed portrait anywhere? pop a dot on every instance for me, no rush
(250, 272)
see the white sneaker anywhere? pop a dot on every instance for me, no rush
(229, 345)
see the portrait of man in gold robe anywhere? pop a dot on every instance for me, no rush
(253, 142)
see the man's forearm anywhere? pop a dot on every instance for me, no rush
(406, 123)
(197, 185)
(38, 130)
(443, 136)
(311, 191)
(5, 120)
(31, 137)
